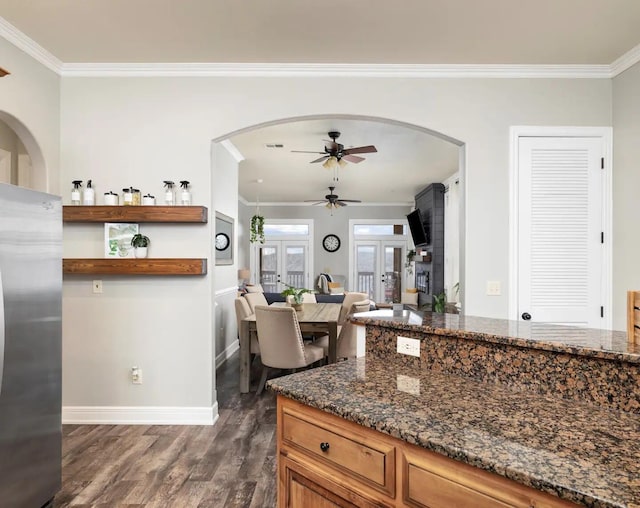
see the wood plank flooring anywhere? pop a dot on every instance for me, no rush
(231, 464)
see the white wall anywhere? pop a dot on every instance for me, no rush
(30, 105)
(626, 182)
(139, 131)
(225, 200)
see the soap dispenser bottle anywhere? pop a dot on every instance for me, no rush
(185, 195)
(88, 196)
(76, 191)
(169, 194)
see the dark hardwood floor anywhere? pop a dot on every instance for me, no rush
(231, 464)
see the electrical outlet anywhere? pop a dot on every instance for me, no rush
(136, 375)
(407, 346)
(493, 288)
(97, 287)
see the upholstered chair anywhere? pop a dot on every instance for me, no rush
(244, 311)
(347, 340)
(349, 300)
(281, 345)
(255, 299)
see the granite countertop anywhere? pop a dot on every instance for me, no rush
(582, 453)
(570, 339)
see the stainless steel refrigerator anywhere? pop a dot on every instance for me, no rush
(30, 347)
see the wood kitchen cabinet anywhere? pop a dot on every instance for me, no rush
(325, 461)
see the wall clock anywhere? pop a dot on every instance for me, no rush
(331, 243)
(222, 241)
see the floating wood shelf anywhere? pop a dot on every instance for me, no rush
(195, 214)
(135, 266)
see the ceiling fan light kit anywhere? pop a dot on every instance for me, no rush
(335, 154)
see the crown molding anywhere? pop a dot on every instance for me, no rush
(627, 60)
(29, 46)
(333, 70)
(40, 54)
(243, 201)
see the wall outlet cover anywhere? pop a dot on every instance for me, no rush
(408, 346)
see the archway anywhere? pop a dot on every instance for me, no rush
(38, 177)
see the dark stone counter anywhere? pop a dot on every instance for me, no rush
(554, 408)
(580, 452)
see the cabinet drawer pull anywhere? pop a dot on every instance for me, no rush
(324, 447)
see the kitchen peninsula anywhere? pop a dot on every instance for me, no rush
(492, 413)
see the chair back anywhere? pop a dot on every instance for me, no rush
(243, 310)
(255, 299)
(347, 303)
(279, 336)
(633, 317)
(348, 339)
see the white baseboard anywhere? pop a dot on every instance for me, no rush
(226, 354)
(141, 415)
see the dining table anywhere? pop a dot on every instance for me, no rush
(312, 317)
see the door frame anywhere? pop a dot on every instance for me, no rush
(606, 135)
(253, 259)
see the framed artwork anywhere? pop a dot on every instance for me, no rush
(223, 241)
(117, 239)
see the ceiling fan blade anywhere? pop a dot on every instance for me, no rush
(352, 158)
(360, 149)
(350, 200)
(340, 203)
(305, 151)
(320, 159)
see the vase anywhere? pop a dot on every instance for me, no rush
(297, 306)
(140, 252)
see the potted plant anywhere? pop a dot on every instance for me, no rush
(439, 303)
(408, 264)
(257, 229)
(296, 295)
(140, 244)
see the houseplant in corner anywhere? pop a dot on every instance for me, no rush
(296, 295)
(140, 244)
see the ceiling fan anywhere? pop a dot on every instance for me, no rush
(335, 153)
(332, 200)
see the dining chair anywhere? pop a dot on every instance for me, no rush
(281, 345)
(633, 317)
(243, 310)
(348, 338)
(349, 300)
(255, 299)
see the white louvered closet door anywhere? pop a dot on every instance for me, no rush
(560, 225)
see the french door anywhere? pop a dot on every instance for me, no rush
(561, 230)
(378, 269)
(280, 262)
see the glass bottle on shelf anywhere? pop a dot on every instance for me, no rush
(76, 192)
(169, 194)
(185, 195)
(89, 196)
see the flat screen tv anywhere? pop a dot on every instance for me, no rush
(419, 229)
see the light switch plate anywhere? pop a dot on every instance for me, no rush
(493, 288)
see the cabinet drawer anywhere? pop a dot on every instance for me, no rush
(368, 460)
(433, 481)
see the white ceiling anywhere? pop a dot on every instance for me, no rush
(331, 31)
(439, 32)
(407, 161)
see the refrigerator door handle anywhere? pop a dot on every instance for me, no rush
(1, 332)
